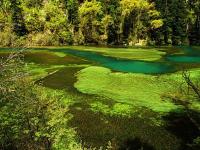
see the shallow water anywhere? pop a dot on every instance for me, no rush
(171, 63)
(189, 55)
(186, 58)
(137, 132)
(133, 66)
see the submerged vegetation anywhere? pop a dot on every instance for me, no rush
(100, 105)
(130, 89)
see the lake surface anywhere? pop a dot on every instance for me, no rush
(186, 58)
(171, 63)
(134, 66)
(189, 55)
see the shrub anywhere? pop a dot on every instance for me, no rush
(42, 39)
(65, 38)
(7, 37)
(31, 117)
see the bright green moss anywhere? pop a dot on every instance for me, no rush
(137, 54)
(100, 107)
(195, 106)
(60, 54)
(39, 71)
(118, 109)
(147, 54)
(136, 90)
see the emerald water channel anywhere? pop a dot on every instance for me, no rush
(169, 63)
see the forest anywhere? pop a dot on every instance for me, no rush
(99, 22)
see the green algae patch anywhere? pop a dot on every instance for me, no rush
(145, 54)
(118, 109)
(137, 54)
(60, 54)
(45, 57)
(61, 95)
(123, 109)
(136, 90)
(40, 71)
(100, 107)
(195, 106)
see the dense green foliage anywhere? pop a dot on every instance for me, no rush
(181, 21)
(129, 22)
(31, 117)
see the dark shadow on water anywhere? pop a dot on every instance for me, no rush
(135, 144)
(127, 133)
(62, 79)
(184, 126)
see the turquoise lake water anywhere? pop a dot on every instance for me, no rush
(136, 66)
(189, 56)
(123, 65)
(172, 62)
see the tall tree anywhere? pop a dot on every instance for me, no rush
(17, 18)
(194, 22)
(174, 14)
(89, 14)
(138, 17)
(112, 17)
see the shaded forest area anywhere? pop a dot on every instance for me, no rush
(99, 22)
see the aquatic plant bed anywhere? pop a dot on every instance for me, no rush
(121, 95)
